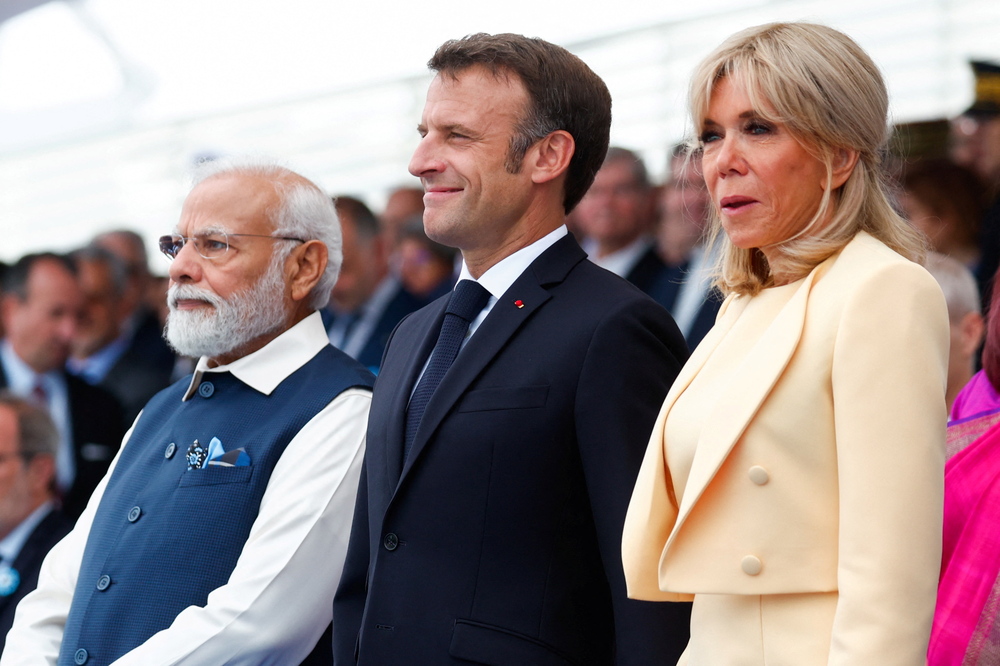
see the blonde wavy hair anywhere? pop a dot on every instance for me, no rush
(823, 87)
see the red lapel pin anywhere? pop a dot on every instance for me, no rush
(519, 303)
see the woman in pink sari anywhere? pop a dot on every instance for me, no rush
(966, 628)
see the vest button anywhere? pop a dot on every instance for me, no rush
(80, 656)
(103, 582)
(206, 389)
(171, 450)
(391, 541)
(134, 513)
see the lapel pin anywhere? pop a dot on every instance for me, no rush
(196, 455)
(519, 303)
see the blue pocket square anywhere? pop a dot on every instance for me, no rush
(234, 458)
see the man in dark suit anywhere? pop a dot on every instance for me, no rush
(104, 353)
(30, 521)
(489, 520)
(616, 218)
(685, 287)
(41, 305)
(367, 302)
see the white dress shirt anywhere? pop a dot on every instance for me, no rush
(498, 279)
(279, 598)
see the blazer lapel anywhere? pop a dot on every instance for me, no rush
(415, 347)
(744, 395)
(500, 325)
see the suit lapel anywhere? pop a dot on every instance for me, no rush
(500, 325)
(745, 393)
(414, 346)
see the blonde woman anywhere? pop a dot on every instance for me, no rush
(792, 485)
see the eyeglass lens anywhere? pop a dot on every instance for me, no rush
(210, 246)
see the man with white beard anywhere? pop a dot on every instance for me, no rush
(220, 532)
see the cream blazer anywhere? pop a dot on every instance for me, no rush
(821, 466)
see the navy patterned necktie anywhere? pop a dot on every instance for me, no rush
(467, 301)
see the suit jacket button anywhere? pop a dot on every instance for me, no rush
(80, 657)
(206, 389)
(751, 565)
(134, 514)
(103, 582)
(391, 541)
(170, 451)
(758, 475)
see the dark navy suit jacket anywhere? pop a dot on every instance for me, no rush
(499, 539)
(98, 428)
(401, 304)
(665, 289)
(53, 527)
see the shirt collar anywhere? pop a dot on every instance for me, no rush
(270, 365)
(20, 377)
(620, 262)
(502, 275)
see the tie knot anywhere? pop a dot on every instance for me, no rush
(468, 299)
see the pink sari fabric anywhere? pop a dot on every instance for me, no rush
(966, 628)
(976, 398)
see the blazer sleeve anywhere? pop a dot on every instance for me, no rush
(635, 354)
(889, 369)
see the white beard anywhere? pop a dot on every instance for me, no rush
(229, 324)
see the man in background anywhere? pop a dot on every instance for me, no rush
(30, 519)
(40, 310)
(104, 353)
(685, 287)
(367, 301)
(616, 218)
(142, 299)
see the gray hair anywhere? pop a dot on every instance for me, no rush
(305, 212)
(957, 283)
(116, 265)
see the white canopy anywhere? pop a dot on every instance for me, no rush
(105, 104)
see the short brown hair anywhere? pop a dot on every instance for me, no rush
(563, 94)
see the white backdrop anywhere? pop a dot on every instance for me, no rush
(105, 104)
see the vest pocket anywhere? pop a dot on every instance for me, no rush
(210, 476)
(486, 644)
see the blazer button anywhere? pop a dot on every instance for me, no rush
(391, 541)
(751, 565)
(80, 657)
(103, 582)
(206, 389)
(134, 514)
(758, 475)
(170, 451)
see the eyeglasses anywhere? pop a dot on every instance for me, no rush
(209, 245)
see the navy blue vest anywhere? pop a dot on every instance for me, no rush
(165, 536)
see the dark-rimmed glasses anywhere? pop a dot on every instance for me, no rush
(212, 245)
